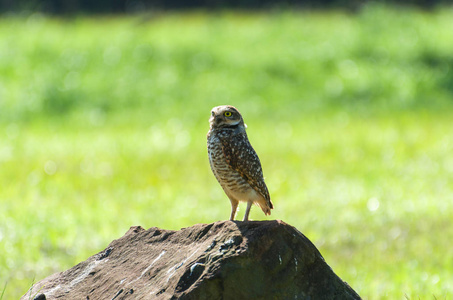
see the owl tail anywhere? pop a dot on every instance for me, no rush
(265, 206)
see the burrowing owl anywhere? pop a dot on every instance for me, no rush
(234, 162)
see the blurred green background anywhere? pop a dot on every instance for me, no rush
(103, 123)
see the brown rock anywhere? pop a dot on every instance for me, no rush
(223, 260)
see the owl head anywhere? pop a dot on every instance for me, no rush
(226, 116)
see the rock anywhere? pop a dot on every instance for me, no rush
(223, 260)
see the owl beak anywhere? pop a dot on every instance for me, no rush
(218, 119)
(215, 119)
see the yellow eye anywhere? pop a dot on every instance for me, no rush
(227, 114)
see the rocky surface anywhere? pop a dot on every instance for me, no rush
(223, 260)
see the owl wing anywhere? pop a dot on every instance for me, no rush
(241, 156)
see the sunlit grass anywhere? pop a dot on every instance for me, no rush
(104, 125)
(374, 195)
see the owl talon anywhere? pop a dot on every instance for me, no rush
(234, 206)
(247, 211)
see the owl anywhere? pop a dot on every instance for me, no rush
(234, 162)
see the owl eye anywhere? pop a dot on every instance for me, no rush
(227, 114)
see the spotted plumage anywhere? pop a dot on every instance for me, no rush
(234, 162)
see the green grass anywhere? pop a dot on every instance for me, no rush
(104, 121)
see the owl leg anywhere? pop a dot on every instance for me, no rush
(247, 211)
(234, 207)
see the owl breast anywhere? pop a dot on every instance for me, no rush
(230, 180)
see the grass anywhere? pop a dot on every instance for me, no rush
(104, 122)
(3, 291)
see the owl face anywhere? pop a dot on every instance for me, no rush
(225, 116)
